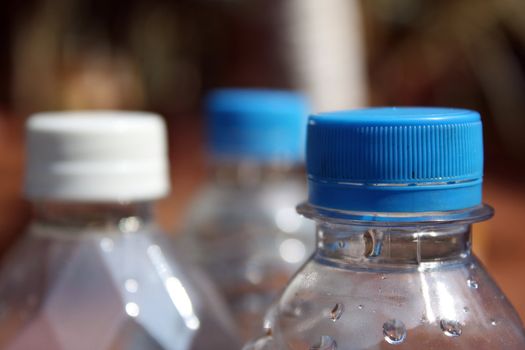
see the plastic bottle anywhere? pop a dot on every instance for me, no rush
(93, 271)
(242, 227)
(394, 193)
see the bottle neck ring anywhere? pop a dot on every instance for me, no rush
(469, 215)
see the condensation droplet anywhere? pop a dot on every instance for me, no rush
(268, 320)
(394, 331)
(451, 328)
(337, 311)
(341, 244)
(493, 322)
(360, 307)
(472, 266)
(472, 284)
(267, 324)
(383, 277)
(466, 309)
(325, 343)
(268, 331)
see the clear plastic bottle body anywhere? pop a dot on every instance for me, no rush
(244, 231)
(103, 277)
(412, 285)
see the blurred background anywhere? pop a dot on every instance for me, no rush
(166, 55)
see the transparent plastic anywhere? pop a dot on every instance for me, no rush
(244, 231)
(404, 281)
(103, 277)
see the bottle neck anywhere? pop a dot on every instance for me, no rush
(395, 247)
(92, 217)
(407, 244)
(246, 173)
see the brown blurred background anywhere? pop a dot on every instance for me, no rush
(165, 55)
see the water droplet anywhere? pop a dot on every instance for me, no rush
(493, 322)
(341, 244)
(383, 277)
(360, 307)
(472, 266)
(472, 284)
(268, 322)
(466, 309)
(337, 311)
(424, 319)
(394, 331)
(451, 328)
(325, 343)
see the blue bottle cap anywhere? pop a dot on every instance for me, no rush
(258, 125)
(394, 160)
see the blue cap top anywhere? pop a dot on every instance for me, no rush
(255, 124)
(395, 159)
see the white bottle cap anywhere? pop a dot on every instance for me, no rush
(96, 156)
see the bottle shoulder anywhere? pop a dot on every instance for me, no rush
(458, 307)
(97, 278)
